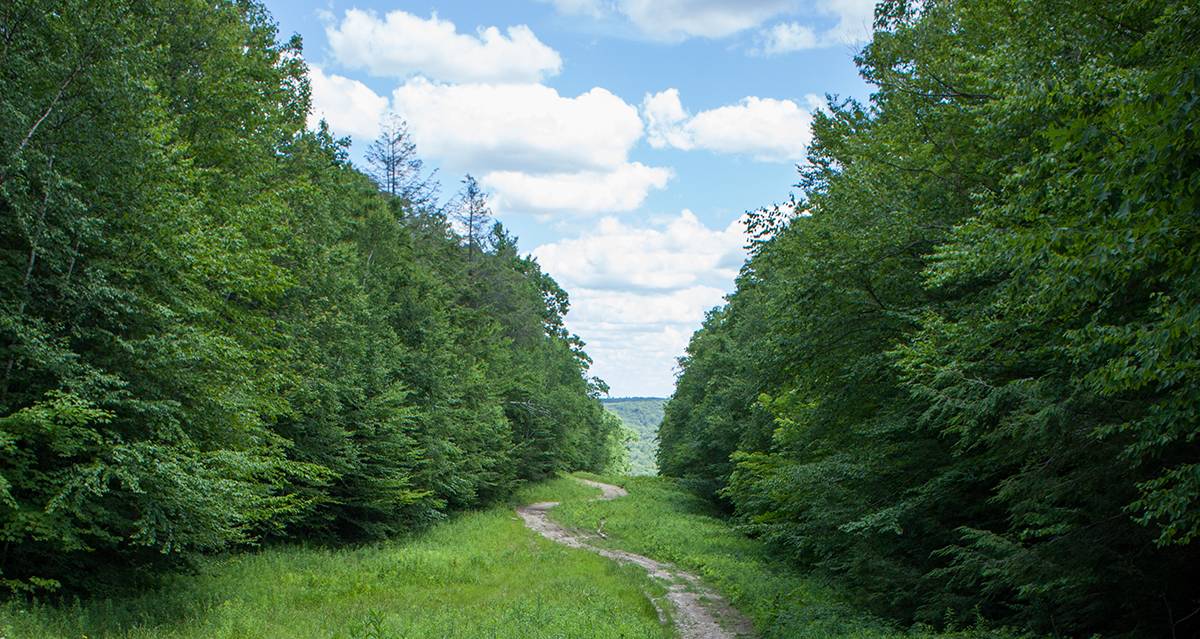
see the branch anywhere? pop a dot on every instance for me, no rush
(53, 103)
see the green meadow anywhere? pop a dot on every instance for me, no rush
(480, 574)
(662, 520)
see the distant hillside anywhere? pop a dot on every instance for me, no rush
(642, 415)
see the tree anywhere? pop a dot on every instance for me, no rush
(393, 163)
(214, 329)
(957, 376)
(472, 213)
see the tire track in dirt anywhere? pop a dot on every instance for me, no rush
(698, 611)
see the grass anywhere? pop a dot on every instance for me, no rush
(481, 574)
(663, 521)
(478, 575)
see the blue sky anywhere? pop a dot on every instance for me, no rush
(621, 140)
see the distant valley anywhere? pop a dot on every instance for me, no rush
(642, 415)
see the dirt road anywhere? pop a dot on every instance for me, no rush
(698, 612)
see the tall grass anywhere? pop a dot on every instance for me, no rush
(481, 574)
(662, 520)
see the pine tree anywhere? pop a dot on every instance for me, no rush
(472, 212)
(393, 163)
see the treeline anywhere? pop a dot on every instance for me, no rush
(641, 415)
(961, 371)
(215, 331)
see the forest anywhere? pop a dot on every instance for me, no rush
(960, 373)
(251, 386)
(641, 415)
(217, 333)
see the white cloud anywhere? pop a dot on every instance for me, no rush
(593, 8)
(401, 44)
(854, 20)
(679, 19)
(638, 292)
(680, 253)
(665, 120)
(525, 127)
(786, 37)
(540, 152)
(854, 24)
(768, 129)
(621, 189)
(349, 106)
(817, 23)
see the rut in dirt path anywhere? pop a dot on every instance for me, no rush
(699, 613)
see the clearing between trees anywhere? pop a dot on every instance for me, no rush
(698, 612)
(485, 574)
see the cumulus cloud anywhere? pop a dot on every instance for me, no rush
(349, 106)
(638, 292)
(666, 120)
(816, 23)
(401, 44)
(540, 152)
(854, 20)
(853, 26)
(678, 253)
(621, 189)
(674, 20)
(786, 37)
(593, 8)
(679, 19)
(525, 127)
(770, 130)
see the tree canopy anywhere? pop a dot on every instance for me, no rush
(214, 330)
(959, 372)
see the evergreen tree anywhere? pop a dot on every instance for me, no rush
(215, 330)
(472, 213)
(954, 374)
(393, 163)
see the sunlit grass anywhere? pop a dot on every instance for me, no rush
(480, 574)
(663, 521)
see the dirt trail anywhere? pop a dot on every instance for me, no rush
(698, 612)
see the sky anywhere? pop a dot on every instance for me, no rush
(621, 141)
